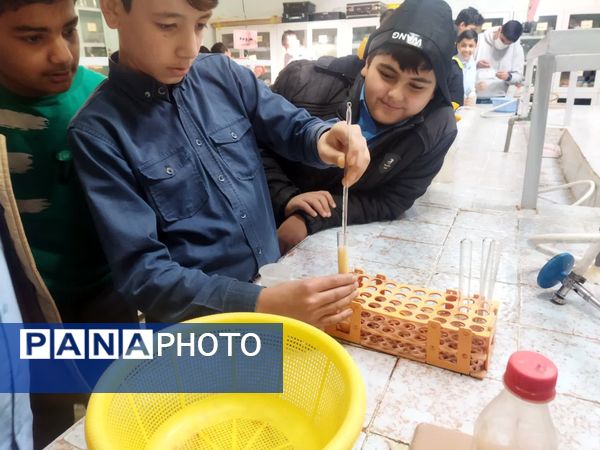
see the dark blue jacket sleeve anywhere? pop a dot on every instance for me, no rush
(277, 123)
(389, 200)
(142, 267)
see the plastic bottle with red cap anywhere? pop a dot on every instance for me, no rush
(519, 418)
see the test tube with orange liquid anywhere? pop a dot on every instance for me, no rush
(343, 266)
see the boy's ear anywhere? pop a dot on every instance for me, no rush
(363, 71)
(112, 11)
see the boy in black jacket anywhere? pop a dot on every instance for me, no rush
(402, 104)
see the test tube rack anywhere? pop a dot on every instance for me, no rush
(436, 327)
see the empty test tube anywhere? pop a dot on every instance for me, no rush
(493, 273)
(490, 260)
(464, 275)
(485, 249)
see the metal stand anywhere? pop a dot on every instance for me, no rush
(509, 130)
(559, 270)
(575, 282)
(559, 51)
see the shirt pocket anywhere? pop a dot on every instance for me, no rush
(236, 145)
(175, 185)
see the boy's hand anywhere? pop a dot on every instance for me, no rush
(320, 301)
(502, 75)
(312, 203)
(291, 232)
(333, 149)
(483, 64)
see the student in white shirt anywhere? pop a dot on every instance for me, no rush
(293, 47)
(500, 60)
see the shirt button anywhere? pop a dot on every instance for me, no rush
(147, 94)
(243, 216)
(64, 155)
(259, 250)
(198, 142)
(169, 170)
(221, 178)
(233, 135)
(162, 90)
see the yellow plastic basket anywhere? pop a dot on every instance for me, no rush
(322, 405)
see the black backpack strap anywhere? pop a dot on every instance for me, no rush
(341, 68)
(317, 86)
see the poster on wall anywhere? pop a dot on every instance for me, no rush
(245, 39)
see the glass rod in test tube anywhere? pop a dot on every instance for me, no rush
(343, 266)
(490, 260)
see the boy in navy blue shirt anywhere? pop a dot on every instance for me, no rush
(167, 151)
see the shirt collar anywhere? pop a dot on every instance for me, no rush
(139, 85)
(368, 126)
(468, 62)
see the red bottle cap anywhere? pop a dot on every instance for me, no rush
(531, 376)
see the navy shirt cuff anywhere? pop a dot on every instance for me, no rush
(323, 128)
(241, 296)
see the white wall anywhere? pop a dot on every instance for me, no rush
(508, 9)
(232, 9)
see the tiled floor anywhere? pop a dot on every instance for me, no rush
(475, 195)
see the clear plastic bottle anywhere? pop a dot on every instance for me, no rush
(518, 418)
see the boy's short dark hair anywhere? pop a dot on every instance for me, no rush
(469, 16)
(200, 5)
(219, 47)
(512, 30)
(408, 58)
(467, 34)
(14, 5)
(285, 35)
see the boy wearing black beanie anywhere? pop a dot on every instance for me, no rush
(401, 101)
